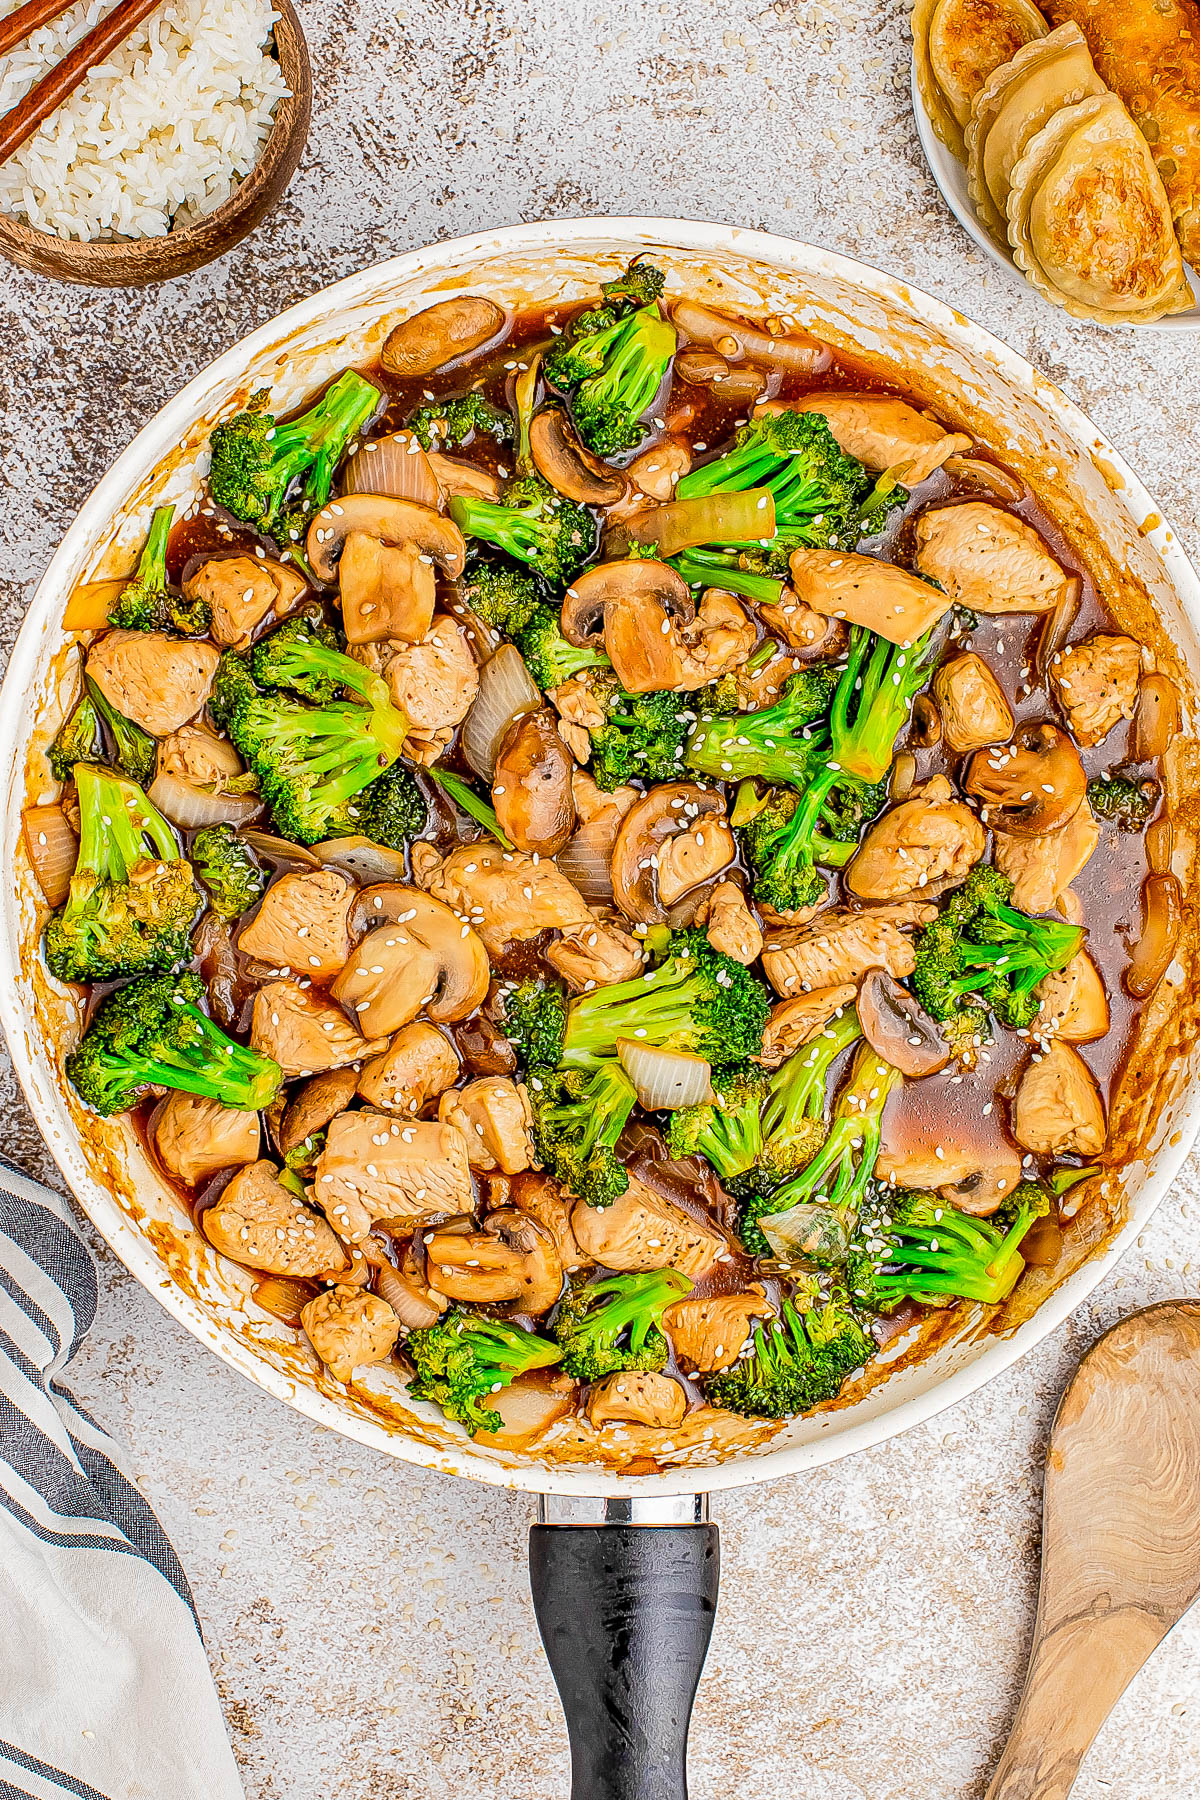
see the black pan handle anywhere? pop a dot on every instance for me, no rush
(626, 1610)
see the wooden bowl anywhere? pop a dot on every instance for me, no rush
(136, 262)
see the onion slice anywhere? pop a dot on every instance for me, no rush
(525, 1411)
(395, 465)
(586, 860)
(736, 338)
(506, 690)
(278, 849)
(283, 1298)
(192, 807)
(745, 518)
(360, 858)
(409, 1304)
(1057, 624)
(90, 604)
(1162, 921)
(665, 1079)
(52, 847)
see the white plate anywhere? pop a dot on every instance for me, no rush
(951, 178)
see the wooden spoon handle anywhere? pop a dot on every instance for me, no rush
(1076, 1676)
(50, 92)
(27, 18)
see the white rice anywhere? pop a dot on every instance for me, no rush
(165, 129)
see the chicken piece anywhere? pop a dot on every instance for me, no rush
(593, 803)
(642, 1230)
(596, 955)
(637, 1395)
(1096, 684)
(977, 1175)
(506, 895)
(988, 559)
(545, 1202)
(719, 639)
(159, 682)
(197, 755)
(1058, 1110)
(793, 1023)
(731, 928)
(1074, 1003)
(658, 470)
(841, 944)
(929, 841)
(258, 1222)
(426, 747)
(493, 1115)
(1042, 868)
(885, 433)
(303, 924)
(242, 590)
(374, 1168)
(579, 712)
(417, 1065)
(434, 682)
(801, 628)
(882, 596)
(347, 1327)
(304, 1033)
(762, 687)
(971, 702)
(707, 1335)
(194, 1138)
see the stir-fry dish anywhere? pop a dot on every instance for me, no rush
(614, 863)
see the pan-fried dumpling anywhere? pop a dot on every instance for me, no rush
(956, 45)
(1088, 218)
(886, 433)
(1015, 102)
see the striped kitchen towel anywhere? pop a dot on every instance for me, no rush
(105, 1692)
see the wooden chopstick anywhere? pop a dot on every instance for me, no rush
(27, 18)
(54, 87)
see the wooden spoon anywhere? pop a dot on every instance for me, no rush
(1121, 1541)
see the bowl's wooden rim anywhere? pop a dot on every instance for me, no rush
(137, 262)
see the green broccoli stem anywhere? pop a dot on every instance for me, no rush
(705, 568)
(152, 564)
(954, 1256)
(798, 1085)
(872, 702)
(212, 1066)
(115, 822)
(464, 796)
(654, 1008)
(836, 1178)
(317, 439)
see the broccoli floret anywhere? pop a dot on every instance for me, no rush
(465, 1358)
(273, 662)
(301, 1159)
(535, 1019)
(728, 1129)
(225, 864)
(78, 739)
(816, 487)
(1127, 801)
(911, 1245)
(132, 901)
(980, 946)
(812, 1214)
(533, 524)
(257, 463)
(795, 1362)
(233, 686)
(151, 1033)
(390, 810)
(135, 750)
(145, 602)
(641, 284)
(696, 1000)
(617, 1324)
(310, 760)
(613, 375)
(784, 843)
(504, 597)
(779, 743)
(446, 424)
(578, 1115)
(550, 658)
(642, 735)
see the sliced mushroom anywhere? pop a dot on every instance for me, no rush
(511, 1259)
(312, 1106)
(454, 476)
(1030, 787)
(611, 584)
(387, 591)
(665, 813)
(562, 460)
(440, 334)
(531, 788)
(864, 591)
(392, 522)
(428, 959)
(898, 1028)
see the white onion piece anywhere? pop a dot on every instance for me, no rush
(410, 1306)
(665, 1079)
(278, 849)
(192, 807)
(587, 860)
(360, 858)
(52, 847)
(737, 338)
(525, 1412)
(506, 690)
(394, 465)
(90, 604)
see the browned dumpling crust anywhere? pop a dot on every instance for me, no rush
(956, 45)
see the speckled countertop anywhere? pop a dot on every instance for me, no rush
(369, 1624)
